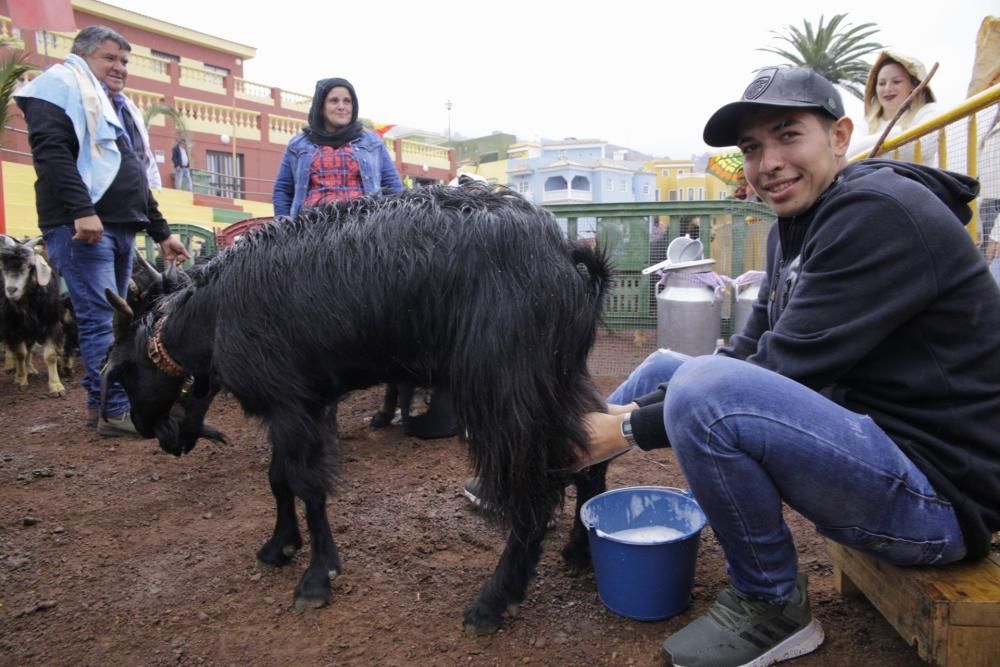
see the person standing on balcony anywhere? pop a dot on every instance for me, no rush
(891, 80)
(182, 165)
(863, 391)
(334, 158)
(91, 155)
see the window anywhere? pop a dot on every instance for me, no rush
(222, 181)
(216, 75)
(164, 56)
(701, 194)
(723, 195)
(690, 194)
(522, 187)
(680, 172)
(609, 185)
(645, 188)
(672, 195)
(665, 172)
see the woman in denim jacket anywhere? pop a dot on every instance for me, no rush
(334, 158)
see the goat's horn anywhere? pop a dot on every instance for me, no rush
(9, 241)
(170, 270)
(146, 265)
(118, 303)
(32, 243)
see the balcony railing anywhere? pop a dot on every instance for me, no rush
(296, 101)
(254, 92)
(203, 79)
(552, 196)
(218, 119)
(280, 129)
(425, 154)
(144, 101)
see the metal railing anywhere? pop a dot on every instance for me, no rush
(957, 133)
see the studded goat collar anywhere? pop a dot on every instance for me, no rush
(158, 354)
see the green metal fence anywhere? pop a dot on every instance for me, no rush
(636, 235)
(200, 241)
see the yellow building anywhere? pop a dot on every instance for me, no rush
(679, 180)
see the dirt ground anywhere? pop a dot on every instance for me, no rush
(114, 553)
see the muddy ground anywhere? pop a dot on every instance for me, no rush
(113, 553)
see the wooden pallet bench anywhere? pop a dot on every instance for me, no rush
(950, 614)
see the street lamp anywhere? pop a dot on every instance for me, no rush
(448, 105)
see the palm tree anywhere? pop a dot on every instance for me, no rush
(14, 65)
(833, 50)
(164, 109)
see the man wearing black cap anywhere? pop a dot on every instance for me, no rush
(864, 390)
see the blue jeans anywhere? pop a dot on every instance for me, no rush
(748, 439)
(182, 174)
(647, 376)
(88, 270)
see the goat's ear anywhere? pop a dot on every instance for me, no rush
(43, 272)
(8, 241)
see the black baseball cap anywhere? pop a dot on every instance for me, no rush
(799, 87)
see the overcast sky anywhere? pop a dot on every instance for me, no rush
(644, 74)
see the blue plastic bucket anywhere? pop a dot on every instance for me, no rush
(646, 573)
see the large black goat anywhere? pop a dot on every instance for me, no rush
(31, 311)
(467, 288)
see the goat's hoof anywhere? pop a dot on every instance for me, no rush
(57, 393)
(480, 623)
(273, 555)
(576, 556)
(309, 603)
(312, 591)
(380, 420)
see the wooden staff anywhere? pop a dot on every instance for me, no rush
(919, 90)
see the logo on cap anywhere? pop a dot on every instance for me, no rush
(759, 85)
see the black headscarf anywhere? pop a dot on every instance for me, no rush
(316, 130)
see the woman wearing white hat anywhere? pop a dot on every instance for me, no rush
(891, 80)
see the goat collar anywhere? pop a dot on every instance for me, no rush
(158, 354)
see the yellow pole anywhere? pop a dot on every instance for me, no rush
(235, 179)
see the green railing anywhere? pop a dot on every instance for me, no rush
(200, 241)
(636, 235)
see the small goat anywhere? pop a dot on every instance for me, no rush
(31, 312)
(466, 288)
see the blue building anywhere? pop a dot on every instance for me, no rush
(582, 171)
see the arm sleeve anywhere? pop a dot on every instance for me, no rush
(158, 228)
(390, 177)
(54, 150)
(648, 428)
(284, 186)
